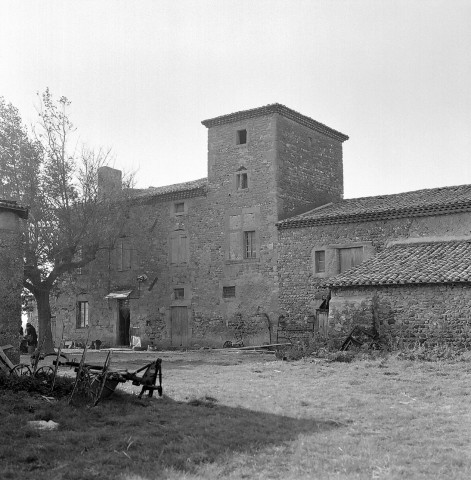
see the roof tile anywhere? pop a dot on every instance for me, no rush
(434, 201)
(12, 206)
(177, 190)
(438, 262)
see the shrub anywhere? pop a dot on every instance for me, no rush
(62, 387)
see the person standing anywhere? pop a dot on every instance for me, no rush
(31, 337)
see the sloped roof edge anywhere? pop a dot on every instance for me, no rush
(12, 206)
(177, 190)
(435, 201)
(411, 264)
(280, 109)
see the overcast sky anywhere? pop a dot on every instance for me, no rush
(393, 75)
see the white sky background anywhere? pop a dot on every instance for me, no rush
(393, 75)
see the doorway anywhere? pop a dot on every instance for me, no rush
(124, 321)
(179, 326)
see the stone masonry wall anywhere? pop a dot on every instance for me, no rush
(11, 283)
(300, 293)
(230, 212)
(408, 314)
(310, 168)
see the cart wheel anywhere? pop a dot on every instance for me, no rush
(21, 370)
(46, 372)
(227, 344)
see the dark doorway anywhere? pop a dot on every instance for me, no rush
(123, 322)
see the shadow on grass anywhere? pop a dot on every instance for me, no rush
(125, 434)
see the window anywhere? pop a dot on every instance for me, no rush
(319, 260)
(123, 250)
(179, 293)
(179, 207)
(77, 258)
(249, 245)
(228, 292)
(241, 137)
(242, 181)
(179, 247)
(242, 242)
(349, 258)
(82, 314)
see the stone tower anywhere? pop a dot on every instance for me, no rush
(264, 165)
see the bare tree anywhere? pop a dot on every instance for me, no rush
(67, 224)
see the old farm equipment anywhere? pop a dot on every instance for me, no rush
(98, 382)
(23, 369)
(359, 337)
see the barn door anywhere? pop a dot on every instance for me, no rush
(322, 321)
(179, 326)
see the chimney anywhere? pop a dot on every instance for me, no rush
(109, 183)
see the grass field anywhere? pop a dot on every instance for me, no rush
(240, 415)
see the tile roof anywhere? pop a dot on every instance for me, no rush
(176, 191)
(434, 201)
(282, 110)
(439, 262)
(12, 206)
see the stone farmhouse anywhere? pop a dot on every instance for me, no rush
(268, 234)
(400, 264)
(11, 275)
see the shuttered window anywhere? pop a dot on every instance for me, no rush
(249, 245)
(123, 251)
(82, 314)
(179, 248)
(242, 236)
(350, 257)
(320, 261)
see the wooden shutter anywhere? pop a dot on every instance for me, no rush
(235, 246)
(350, 257)
(126, 256)
(174, 249)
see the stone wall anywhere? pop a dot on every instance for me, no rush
(300, 292)
(406, 314)
(310, 170)
(11, 282)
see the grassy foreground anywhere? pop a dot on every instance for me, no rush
(239, 416)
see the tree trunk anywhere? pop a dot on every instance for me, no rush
(44, 320)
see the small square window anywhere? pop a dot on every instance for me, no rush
(179, 207)
(179, 293)
(320, 261)
(228, 292)
(241, 138)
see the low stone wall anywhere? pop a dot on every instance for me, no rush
(406, 314)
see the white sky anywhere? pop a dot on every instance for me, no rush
(393, 75)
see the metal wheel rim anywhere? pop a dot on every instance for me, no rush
(21, 370)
